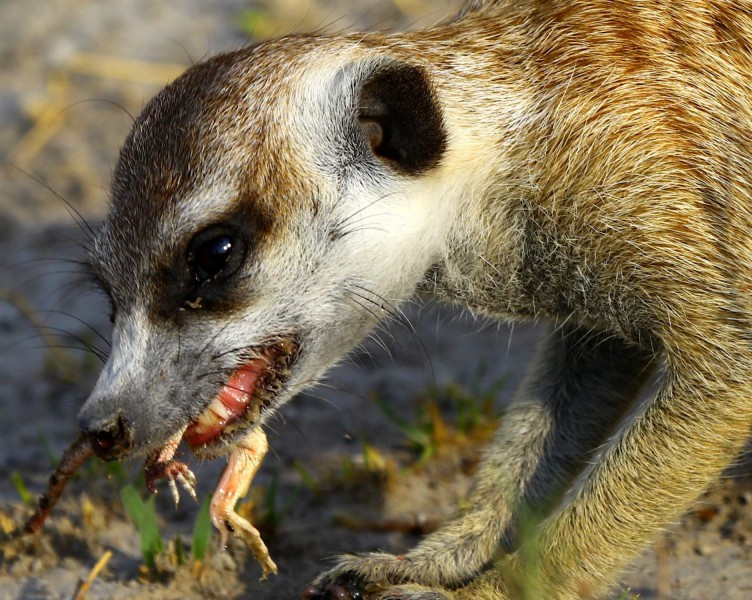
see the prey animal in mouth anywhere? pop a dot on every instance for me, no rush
(243, 463)
(243, 393)
(238, 400)
(225, 421)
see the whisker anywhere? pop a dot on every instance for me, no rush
(359, 305)
(36, 277)
(57, 346)
(75, 214)
(101, 354)
(339, 224)
(401, 318)
(99, 101)
(381, 305)
(212, 339)
(238, 350)
(94, 330)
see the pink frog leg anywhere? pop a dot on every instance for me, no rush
(160, 465)
(242, 466)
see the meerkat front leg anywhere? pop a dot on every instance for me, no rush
(581, 384)
(654, 467)
(242, 466)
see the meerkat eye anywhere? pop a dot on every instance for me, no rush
(214, 252)
(211, 257)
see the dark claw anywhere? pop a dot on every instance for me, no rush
(312, 592)
(345, 587)
(336, 592)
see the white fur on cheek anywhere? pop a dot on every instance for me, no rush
(392, 237)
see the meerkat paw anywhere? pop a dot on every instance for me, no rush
(377, 567)
(380, 576)
(374, 576)
(414, 592)
(349, 586)
(381, 567)
(344, 586)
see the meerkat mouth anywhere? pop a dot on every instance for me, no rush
(248, 390)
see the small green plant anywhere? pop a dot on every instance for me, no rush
(419, 435)
(472, 410)
(23, 492)
(144, 517)
(373, 461)
(273, 513)
(371, 468)
(473, 406)
(178, 551)
(143, 514)
(202, 532)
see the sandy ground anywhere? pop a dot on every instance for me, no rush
(64, 110)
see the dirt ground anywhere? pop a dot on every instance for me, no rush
(341, 475)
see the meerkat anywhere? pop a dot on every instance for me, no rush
(584, 162)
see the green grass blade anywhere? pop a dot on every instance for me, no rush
(412, 432)
(144, 517)
(179, 551)
(151, 538)
(133, 504)
(23, 492)
(202, 532)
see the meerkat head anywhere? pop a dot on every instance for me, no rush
(266, 208)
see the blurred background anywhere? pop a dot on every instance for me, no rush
(72, 71)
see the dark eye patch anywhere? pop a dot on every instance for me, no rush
(208, 271)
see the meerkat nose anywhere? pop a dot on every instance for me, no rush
(110, 439)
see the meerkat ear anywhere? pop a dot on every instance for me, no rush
(401, 120)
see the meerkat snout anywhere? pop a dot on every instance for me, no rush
(110, 439)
